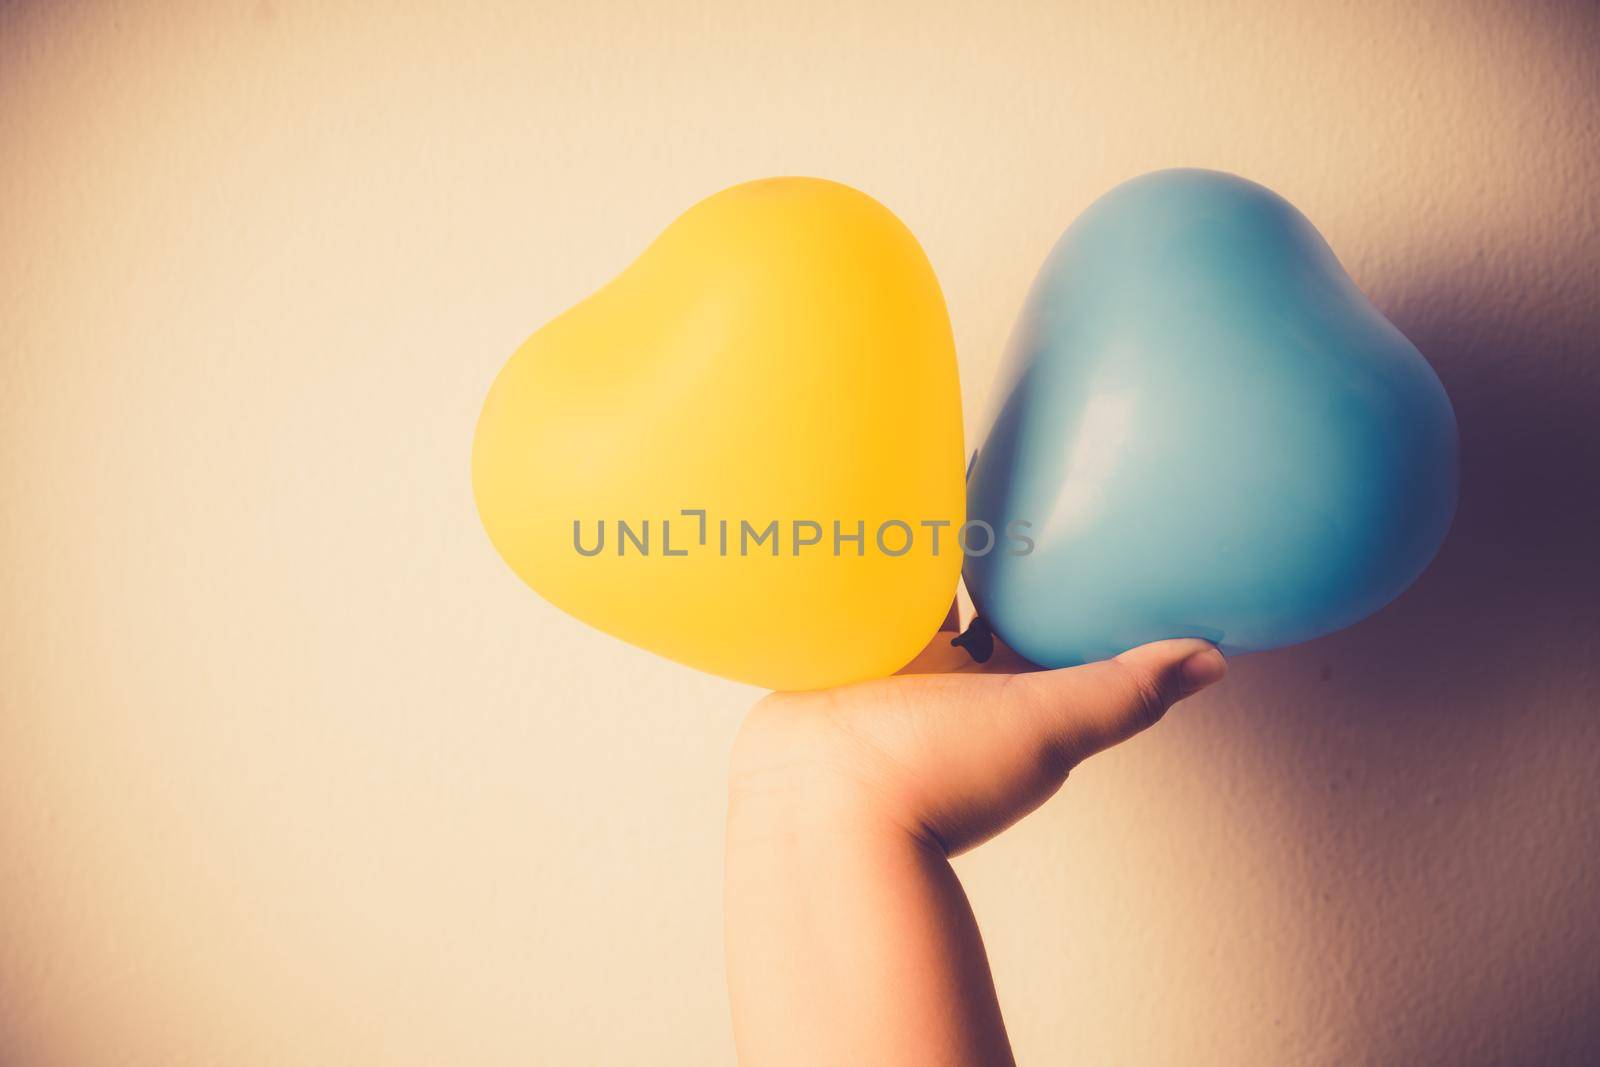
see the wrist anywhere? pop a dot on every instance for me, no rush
(797, 781)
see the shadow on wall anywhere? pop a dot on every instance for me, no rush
(1440, 776)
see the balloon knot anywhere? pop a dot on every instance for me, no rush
(978, 640)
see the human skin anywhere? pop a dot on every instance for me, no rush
(849, 938)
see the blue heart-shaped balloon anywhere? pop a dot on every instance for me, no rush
(1205, 430)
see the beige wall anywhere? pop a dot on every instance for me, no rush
(292, 770)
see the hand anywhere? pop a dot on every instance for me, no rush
(849, 939)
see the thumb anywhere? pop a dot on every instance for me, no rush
(1036, 727)
(1079, 711)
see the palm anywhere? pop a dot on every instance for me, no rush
(951, 749)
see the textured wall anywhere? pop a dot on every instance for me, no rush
(292, 770)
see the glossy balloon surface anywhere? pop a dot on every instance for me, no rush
(1211, 430)
(780, 354)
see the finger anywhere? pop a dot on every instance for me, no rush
(989, 749)
(1083, 710)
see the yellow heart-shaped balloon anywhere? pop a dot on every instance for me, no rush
(744, 452)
